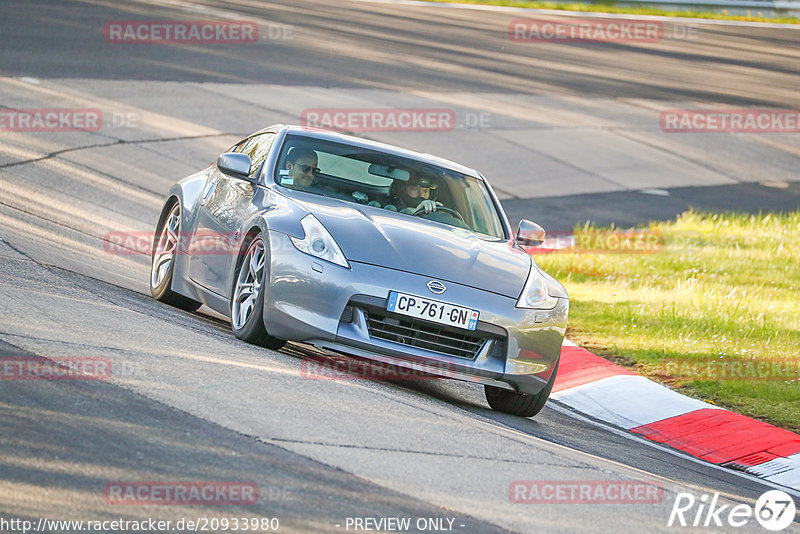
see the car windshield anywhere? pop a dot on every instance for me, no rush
(387, 181)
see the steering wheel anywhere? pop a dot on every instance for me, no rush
(421, 212)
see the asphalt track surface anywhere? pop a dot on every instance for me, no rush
(187, 401)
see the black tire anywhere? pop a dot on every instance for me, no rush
(166, 243)
(247, 314)
(522, 404)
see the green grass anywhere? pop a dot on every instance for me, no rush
(609, 6)
(725, 288)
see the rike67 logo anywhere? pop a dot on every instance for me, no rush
(774, 510)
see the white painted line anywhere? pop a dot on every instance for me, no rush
(656, 192)
(628, 401)
(582, 14)
(776, 184)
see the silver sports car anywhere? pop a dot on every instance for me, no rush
(368, 250)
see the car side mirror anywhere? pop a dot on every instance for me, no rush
(529, 234)
(235, 164)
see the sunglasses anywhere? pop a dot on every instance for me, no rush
(307, 168)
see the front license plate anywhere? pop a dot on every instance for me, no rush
(432, 310)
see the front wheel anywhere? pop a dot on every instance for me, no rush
(247, 303)
(166, 246)
(516, 403)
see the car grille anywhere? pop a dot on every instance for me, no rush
(424, 335)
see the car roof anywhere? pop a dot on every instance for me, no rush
(327, 135)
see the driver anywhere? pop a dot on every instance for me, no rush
(418, 193)
(301, 164)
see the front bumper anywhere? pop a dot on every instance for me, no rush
(313, 301)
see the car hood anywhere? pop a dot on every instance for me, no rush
(388, 239)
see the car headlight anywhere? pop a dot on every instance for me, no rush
(318, 242)
(534, 294)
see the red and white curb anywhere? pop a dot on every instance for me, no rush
(605, 391)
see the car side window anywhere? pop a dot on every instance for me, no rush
(238, 146)
(257, 147)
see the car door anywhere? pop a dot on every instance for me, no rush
(225, 203)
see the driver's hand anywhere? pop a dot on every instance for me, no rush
(428, 206)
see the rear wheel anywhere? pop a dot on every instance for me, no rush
(166, 245)
(247, 303)
(516, 403)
